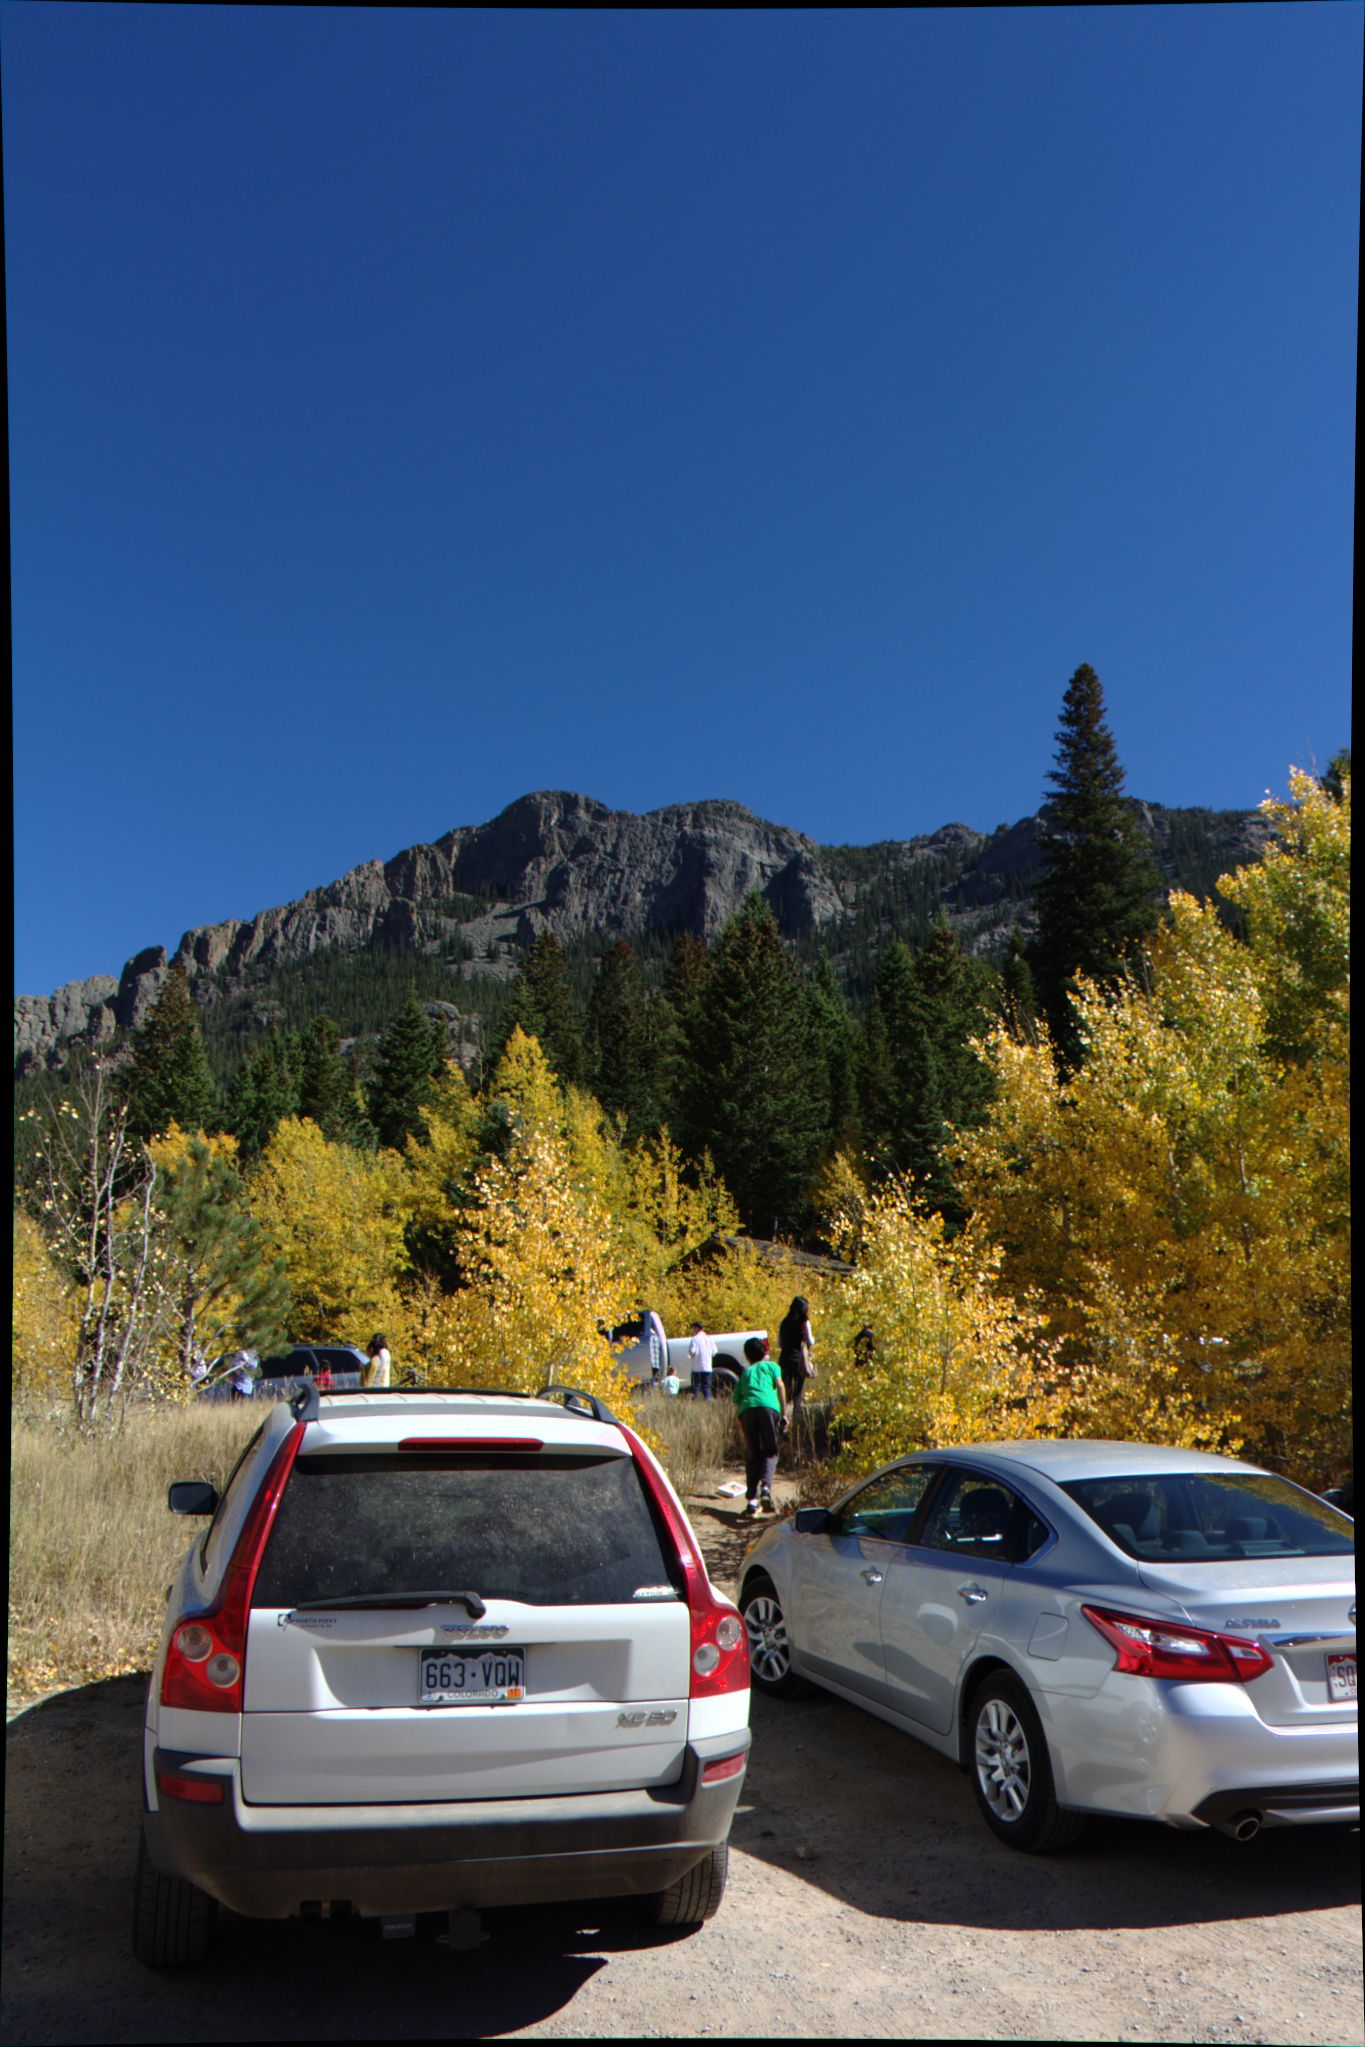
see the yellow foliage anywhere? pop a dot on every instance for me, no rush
(1182, 1201)
(956, 1360)
(539, 1254)
(336, 1217)
(45, 1317)
(173, 1145)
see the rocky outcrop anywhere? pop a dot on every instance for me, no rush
(80, 1013)
(560, 862)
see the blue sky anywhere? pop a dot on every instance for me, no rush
(410, 409)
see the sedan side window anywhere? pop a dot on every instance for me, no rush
(971, 1515)
(886, 1507)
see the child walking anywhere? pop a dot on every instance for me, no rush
(761, 1405)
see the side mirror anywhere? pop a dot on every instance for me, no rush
(192, 1496)
(813, 1521)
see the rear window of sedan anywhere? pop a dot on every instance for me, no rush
(547, 1529)
(1212, 1517)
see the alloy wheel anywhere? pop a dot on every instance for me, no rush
(769, 1650)
(1003, 1766)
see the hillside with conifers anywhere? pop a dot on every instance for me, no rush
(1080, 1149)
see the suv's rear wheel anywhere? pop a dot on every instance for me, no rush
(1011, 1773)
(173, 1923)
(770, 1656)
(695, 1896)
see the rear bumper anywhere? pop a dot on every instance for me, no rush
(1284, 1805)
(271, 1862)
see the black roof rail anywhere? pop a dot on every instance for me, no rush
(575, 1398)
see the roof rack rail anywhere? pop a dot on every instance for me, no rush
(305, 1405)
(574, 1397)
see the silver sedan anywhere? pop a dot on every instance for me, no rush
(1086, 1627)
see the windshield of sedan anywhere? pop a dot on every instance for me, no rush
(1212, 1517)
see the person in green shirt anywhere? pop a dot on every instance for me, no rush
(761, 1404)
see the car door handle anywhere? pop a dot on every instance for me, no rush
(873, 1575)
(973, 1594)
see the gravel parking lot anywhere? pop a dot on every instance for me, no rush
(866, 1900)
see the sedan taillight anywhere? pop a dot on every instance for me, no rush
(1152, 1648)
(206, 1660)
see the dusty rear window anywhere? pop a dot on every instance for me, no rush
(1212, 1517)
(548, 1530)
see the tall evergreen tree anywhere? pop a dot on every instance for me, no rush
(265, 1089)
(954, 997)
(671, 1019)
(327, 1086)
(836, 1037)
(544, 1005)
(1018, 996)
(1098, 898)
(754, 1083)
(409, 1057)
(228, 1289)
(169, 1079)
(620, 1045)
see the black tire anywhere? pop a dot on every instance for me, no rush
(173, 1923)
(765, 1624)
(696, 1896)
(1011, 1774)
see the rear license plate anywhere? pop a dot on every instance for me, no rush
(471, 1677)
(1341, 1677)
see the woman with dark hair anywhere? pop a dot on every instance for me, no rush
(794, 1346)
(376, 1373)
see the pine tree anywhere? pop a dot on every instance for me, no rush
(1018, 996)
(837, 1039)
(327, 1088)
(228, 1290)
(1099, 892)
(169, 1079)
(671, 1020)
(754, 1089)
(265, 1089)
(954, 999)
(543, 1005)
(620, 1047)
(410, 1056)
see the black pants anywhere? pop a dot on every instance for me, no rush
(794, 1385)
(760, 1449)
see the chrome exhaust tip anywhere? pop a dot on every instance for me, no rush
(1245, 1827)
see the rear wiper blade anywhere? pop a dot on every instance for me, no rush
(470, 1601)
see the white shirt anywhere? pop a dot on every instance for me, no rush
(701, 1350)
(380, 1361)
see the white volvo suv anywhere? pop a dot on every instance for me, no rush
(435, 1651)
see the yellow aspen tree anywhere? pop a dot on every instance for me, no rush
(336, 1217)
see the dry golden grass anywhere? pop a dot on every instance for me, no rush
(93, 1548)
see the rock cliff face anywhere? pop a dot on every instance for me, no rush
(564, 863)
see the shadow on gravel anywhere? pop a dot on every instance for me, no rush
(843, 1801)
(72, 1807)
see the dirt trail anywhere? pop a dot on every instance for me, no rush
(866, 1900)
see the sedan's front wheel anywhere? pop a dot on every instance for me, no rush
(770, 1656)
(1011, 1774)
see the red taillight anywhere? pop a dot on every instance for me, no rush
(1152, 1648)
(719, 1660)
(515, 1445)
(724, 1766)
(206, 1660)
(194, 1790)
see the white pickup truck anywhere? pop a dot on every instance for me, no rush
(727, 1364)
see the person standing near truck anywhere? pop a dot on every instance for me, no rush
(761, 1404)
(701, 1350)
(656, 1343)
(794, 1346)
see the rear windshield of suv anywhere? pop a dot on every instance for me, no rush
(1212, 1517)
(551, 1530)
